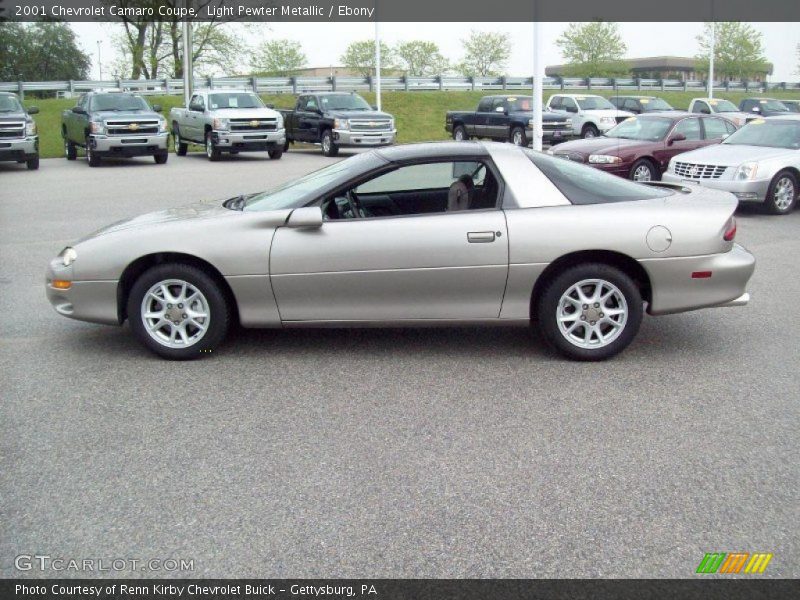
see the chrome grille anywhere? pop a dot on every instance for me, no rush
(553, 125)
(12, 129)
(698, 171)
(131, 126)
(370, 125)
(253, 125)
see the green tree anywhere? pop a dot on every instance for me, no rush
(278, 57)
(738, 51)
(485, 53)
(421, 59)
(360, 57)
(41, 51)
(593, 49)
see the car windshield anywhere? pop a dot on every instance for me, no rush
(723, 106)
(234, 100)
(9, 104)
(593, 103)
(635, 128)
(118, 102)
(299, 192)
(772, 105)
(344, 102)
(781, 133)
(649, 104)
(792, 105)
(519, 104)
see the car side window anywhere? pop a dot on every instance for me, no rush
(690, 128)
(569, 105)
(485, 105)
(311, 104)
(197, 102)
(499, 103)
(730, 127)
(747, 105)
(715, 128)
(555, 103)
(429, 188)
(631, 104)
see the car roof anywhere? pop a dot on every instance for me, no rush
(579, 95)
(224, 90)
(405, 152)
(637, 97)
(670, 114)
(787, 117)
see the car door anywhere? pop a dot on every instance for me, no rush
(689, 127)
(77, 123)
(194, 118)
(439, 264)
(497, 121)
(308, 119)
(715, 129)
(482, 116)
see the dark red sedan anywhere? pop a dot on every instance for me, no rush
(640, 147)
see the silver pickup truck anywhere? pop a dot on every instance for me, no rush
(18, 139)
(228, 121)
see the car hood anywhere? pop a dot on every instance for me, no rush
(126, 114)
(600, 145)
(733, 154)
(245, 113)
(547, 116)
(358, 114)
(15, 117)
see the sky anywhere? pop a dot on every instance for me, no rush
(324, 43)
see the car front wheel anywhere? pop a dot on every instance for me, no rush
(178, 311)
(643, 170)
(212, 152)
(782, 193)
(329, 147)
(590, 311)
(460, 134)
(589, 131)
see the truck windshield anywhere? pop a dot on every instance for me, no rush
(723, 106)
(781, 133)
(119, 102)
(636, 128)
(234, 100)
(594, 103)
(344, 102)
(654, 104)
(9, 104)
(774, 105)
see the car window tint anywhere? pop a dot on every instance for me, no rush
(586, 185)
(690, 128)
(555, 102)
(485, 105)
(715, 128)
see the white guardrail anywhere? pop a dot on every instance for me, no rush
(296, 85)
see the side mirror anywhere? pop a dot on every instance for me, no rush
(307, 217)
(157, 107)
(33, 110)
(374, 107)
(272, 106)
(499, 109)
(678, 137)
(756, 109)
(78, 110)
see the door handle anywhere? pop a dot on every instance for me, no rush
(480, 237)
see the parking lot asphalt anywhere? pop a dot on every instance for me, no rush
(384, 453)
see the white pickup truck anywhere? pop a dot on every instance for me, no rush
(724, 108)
(591, 114)
(228, 121)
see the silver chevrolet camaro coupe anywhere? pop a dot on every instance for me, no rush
(423, 234)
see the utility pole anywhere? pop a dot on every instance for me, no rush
(187, 62)
(377, 66)
(711, 59)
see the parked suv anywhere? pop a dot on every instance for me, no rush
(640, 104)
(724, 108)
(18, 139)
(764, 107)
(591, 115)
(114, 124)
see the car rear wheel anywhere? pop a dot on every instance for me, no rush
(91, 156)
(782, 193)
(181, 147)
(460, 134)
(590, 311)
(518, 137)
(643, 170)
(589, 131)
(212, 152)
(70, 151)
(178, 311)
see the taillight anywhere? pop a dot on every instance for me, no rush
(730, 230)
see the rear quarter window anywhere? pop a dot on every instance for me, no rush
(587, 185)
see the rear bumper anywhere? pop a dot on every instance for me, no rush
(255, 141)
(723, 281)
(130, 145)
(19, 149)
(345, 137)
(745, 191)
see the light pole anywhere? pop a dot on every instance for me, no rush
(377, 66)
(537, 86)
(99, 60)
(711, 59)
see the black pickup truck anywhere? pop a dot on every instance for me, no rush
(508, 119)
(335, 120)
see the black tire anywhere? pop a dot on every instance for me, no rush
(219, 311)
(70, 151)
(161, 158)
(286, 146)
(91, 156)
(772, 203)
(547, 311)
(589, 131)
(638, 168)
(329, 147)
(518, 137)
(181, 147)
(275, 152)
(32, 163)
(460, 134)
(212, 152)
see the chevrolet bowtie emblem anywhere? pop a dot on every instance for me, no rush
(133, 126)
(254, 123)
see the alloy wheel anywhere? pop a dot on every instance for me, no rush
(784, 193)
(592, 313)
(517, 138)
(175, 313)
(642, 173)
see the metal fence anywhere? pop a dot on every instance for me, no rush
(296, 85)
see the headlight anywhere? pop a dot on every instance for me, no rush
(30, 128)
(609, 120)
(279, 122)
(341, 124)
(97, 127)
(391, 124)
(68, 256)
(162, 126)
(604, 159)
(530, 123)
(746, 170)
(221, 124)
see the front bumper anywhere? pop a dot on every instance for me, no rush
(553, 135)
(345, 137)
(130, 145)
(248, 141)
(675, 289)
(93, 301)
(19, 149)
(744, 190)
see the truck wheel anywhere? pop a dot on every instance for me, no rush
(518, 137)
(212, 152)
(329, 147)
(69, 150)
(589, 131)
(782, 194)
(91, 155)
(460, 134)
(275, 152)
(181, 147)
(286, 146)
(32, 163)
(161, 158)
